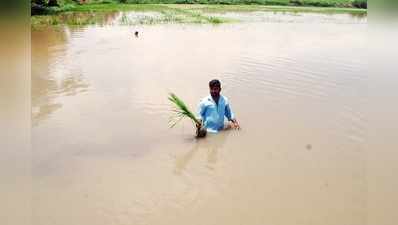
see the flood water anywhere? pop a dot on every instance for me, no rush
(103, 152)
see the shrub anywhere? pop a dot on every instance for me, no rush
(296, 2)
(363, 4)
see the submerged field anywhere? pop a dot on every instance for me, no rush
(103, 152)
(167, 13)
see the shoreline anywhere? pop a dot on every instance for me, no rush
(299, 5)
(171, 13)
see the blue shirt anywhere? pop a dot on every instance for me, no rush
(212, 114)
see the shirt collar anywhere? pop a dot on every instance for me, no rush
(210, 99)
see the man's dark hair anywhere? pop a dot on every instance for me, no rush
(215, 83)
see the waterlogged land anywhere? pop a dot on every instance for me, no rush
(103, 153)
(168, 13)
(131, 15)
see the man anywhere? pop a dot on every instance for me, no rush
(213, 109)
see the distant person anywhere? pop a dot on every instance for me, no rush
(136, 33)
(214, 108)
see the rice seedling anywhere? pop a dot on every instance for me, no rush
(181, 111)
(214, 20)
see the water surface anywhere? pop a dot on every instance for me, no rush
(103, 152)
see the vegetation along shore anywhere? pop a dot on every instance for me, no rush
(56, 6)
(79, 12)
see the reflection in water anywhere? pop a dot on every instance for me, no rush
(45, 105)
(54, 73)
(211, 144)
(42, 112)
(359, 15)
(76, 18)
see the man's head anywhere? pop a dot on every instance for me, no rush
(215, 88)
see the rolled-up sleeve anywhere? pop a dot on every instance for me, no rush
(201, 110)
(228, 112)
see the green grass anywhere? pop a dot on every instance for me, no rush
(252, 8)
(195, 15)
(102, 14)
(318, 3)
(115, 5)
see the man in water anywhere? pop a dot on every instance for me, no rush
(213, 109)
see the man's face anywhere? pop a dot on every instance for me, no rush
(215, 91)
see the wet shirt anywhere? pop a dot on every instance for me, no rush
(213, 115)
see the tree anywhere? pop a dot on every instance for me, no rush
(53, 3)
(38, 2)
(360, 4)
(38, 7)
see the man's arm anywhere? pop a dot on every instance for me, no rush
(231, 116)
(201, 112)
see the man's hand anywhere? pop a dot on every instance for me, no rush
(235, 124)
(198, 126)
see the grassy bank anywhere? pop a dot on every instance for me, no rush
(103, 14)
(317, 3)
(164, 13)
(113, 5)
(239, 5)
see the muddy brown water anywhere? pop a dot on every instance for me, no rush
(103, 152)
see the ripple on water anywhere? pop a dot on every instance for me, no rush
(297, 93)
